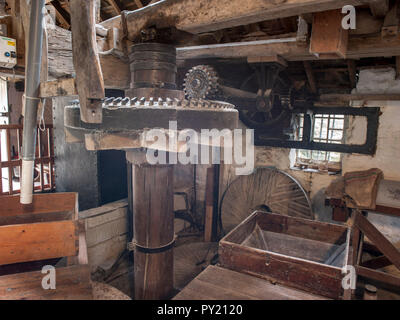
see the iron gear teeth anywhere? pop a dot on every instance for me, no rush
(208, 78)
(136, 102)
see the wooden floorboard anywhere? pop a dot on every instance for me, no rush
(72, 283)
(216, 283)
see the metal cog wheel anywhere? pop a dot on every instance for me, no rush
(201, 82)
(136, 102)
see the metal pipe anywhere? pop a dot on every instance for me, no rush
(34, 54)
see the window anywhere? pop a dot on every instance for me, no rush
(328, 128)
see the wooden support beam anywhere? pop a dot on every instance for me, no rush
(310, 76)
(59, 87)
(210, 15)
(289, 49)
(351, 66)
(115, 6)
(397, 67)
(139, 3)
(361, 97)
(62, 14)
(328, 38)
(209, 201)
(376, 263)
(378, 276)
(390, 27)
(89, 76)
(380, 241)
(379, 8)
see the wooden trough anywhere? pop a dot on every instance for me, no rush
(37, 235)
(295, 252)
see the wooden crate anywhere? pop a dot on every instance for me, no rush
(41, 234)
(295, 252)
(330, 44)
(45, 229)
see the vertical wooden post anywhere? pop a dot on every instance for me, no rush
(208, 220)
(152, 188)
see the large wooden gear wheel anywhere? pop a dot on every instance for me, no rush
(265, 189)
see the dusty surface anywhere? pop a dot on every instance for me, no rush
(102, 291)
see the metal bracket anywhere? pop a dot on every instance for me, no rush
(369, 147)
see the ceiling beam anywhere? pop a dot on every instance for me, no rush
(379, 8)
(310, 76)
(352, 70)
(115, 6)
(198, 16)
(289, 49)
(62, 15)
(139, 3)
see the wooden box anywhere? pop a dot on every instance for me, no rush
(44, 230)
(295, 252)
(328, 38)
(40, 234)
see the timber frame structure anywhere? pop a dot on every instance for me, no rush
(234, 33)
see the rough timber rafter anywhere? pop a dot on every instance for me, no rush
(197, 16)
(289, 49)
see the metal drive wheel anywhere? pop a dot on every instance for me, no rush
(266, 189)
(274, 101)
(201, 82)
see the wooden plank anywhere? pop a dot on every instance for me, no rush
(378, 276)
(210, 15)
(376, 263)
(374, 235)
(139, 4)
(209, 205)
(58, 87)
(217, 283)
(299, 227)
(328, 37)
(107, 231)
(289, 49)
(379, 8)
(42, 203)
(297, 273)
(38, 241)
(107, 208)
(268, 59)
(25, 218)
(351, 66)
(89, 76)
(355, 97)
(10, 172)
(310, 76)
(72, 283)
(62, 14)
(115, 6)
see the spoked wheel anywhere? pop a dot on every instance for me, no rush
(274, 97)
(266, 189)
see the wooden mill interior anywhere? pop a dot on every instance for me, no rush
(200, 149)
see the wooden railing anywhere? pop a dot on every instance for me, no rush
(10, 162)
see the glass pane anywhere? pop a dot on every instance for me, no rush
(336, 123)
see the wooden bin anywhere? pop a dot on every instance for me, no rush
(39, 234)
(295, 252)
